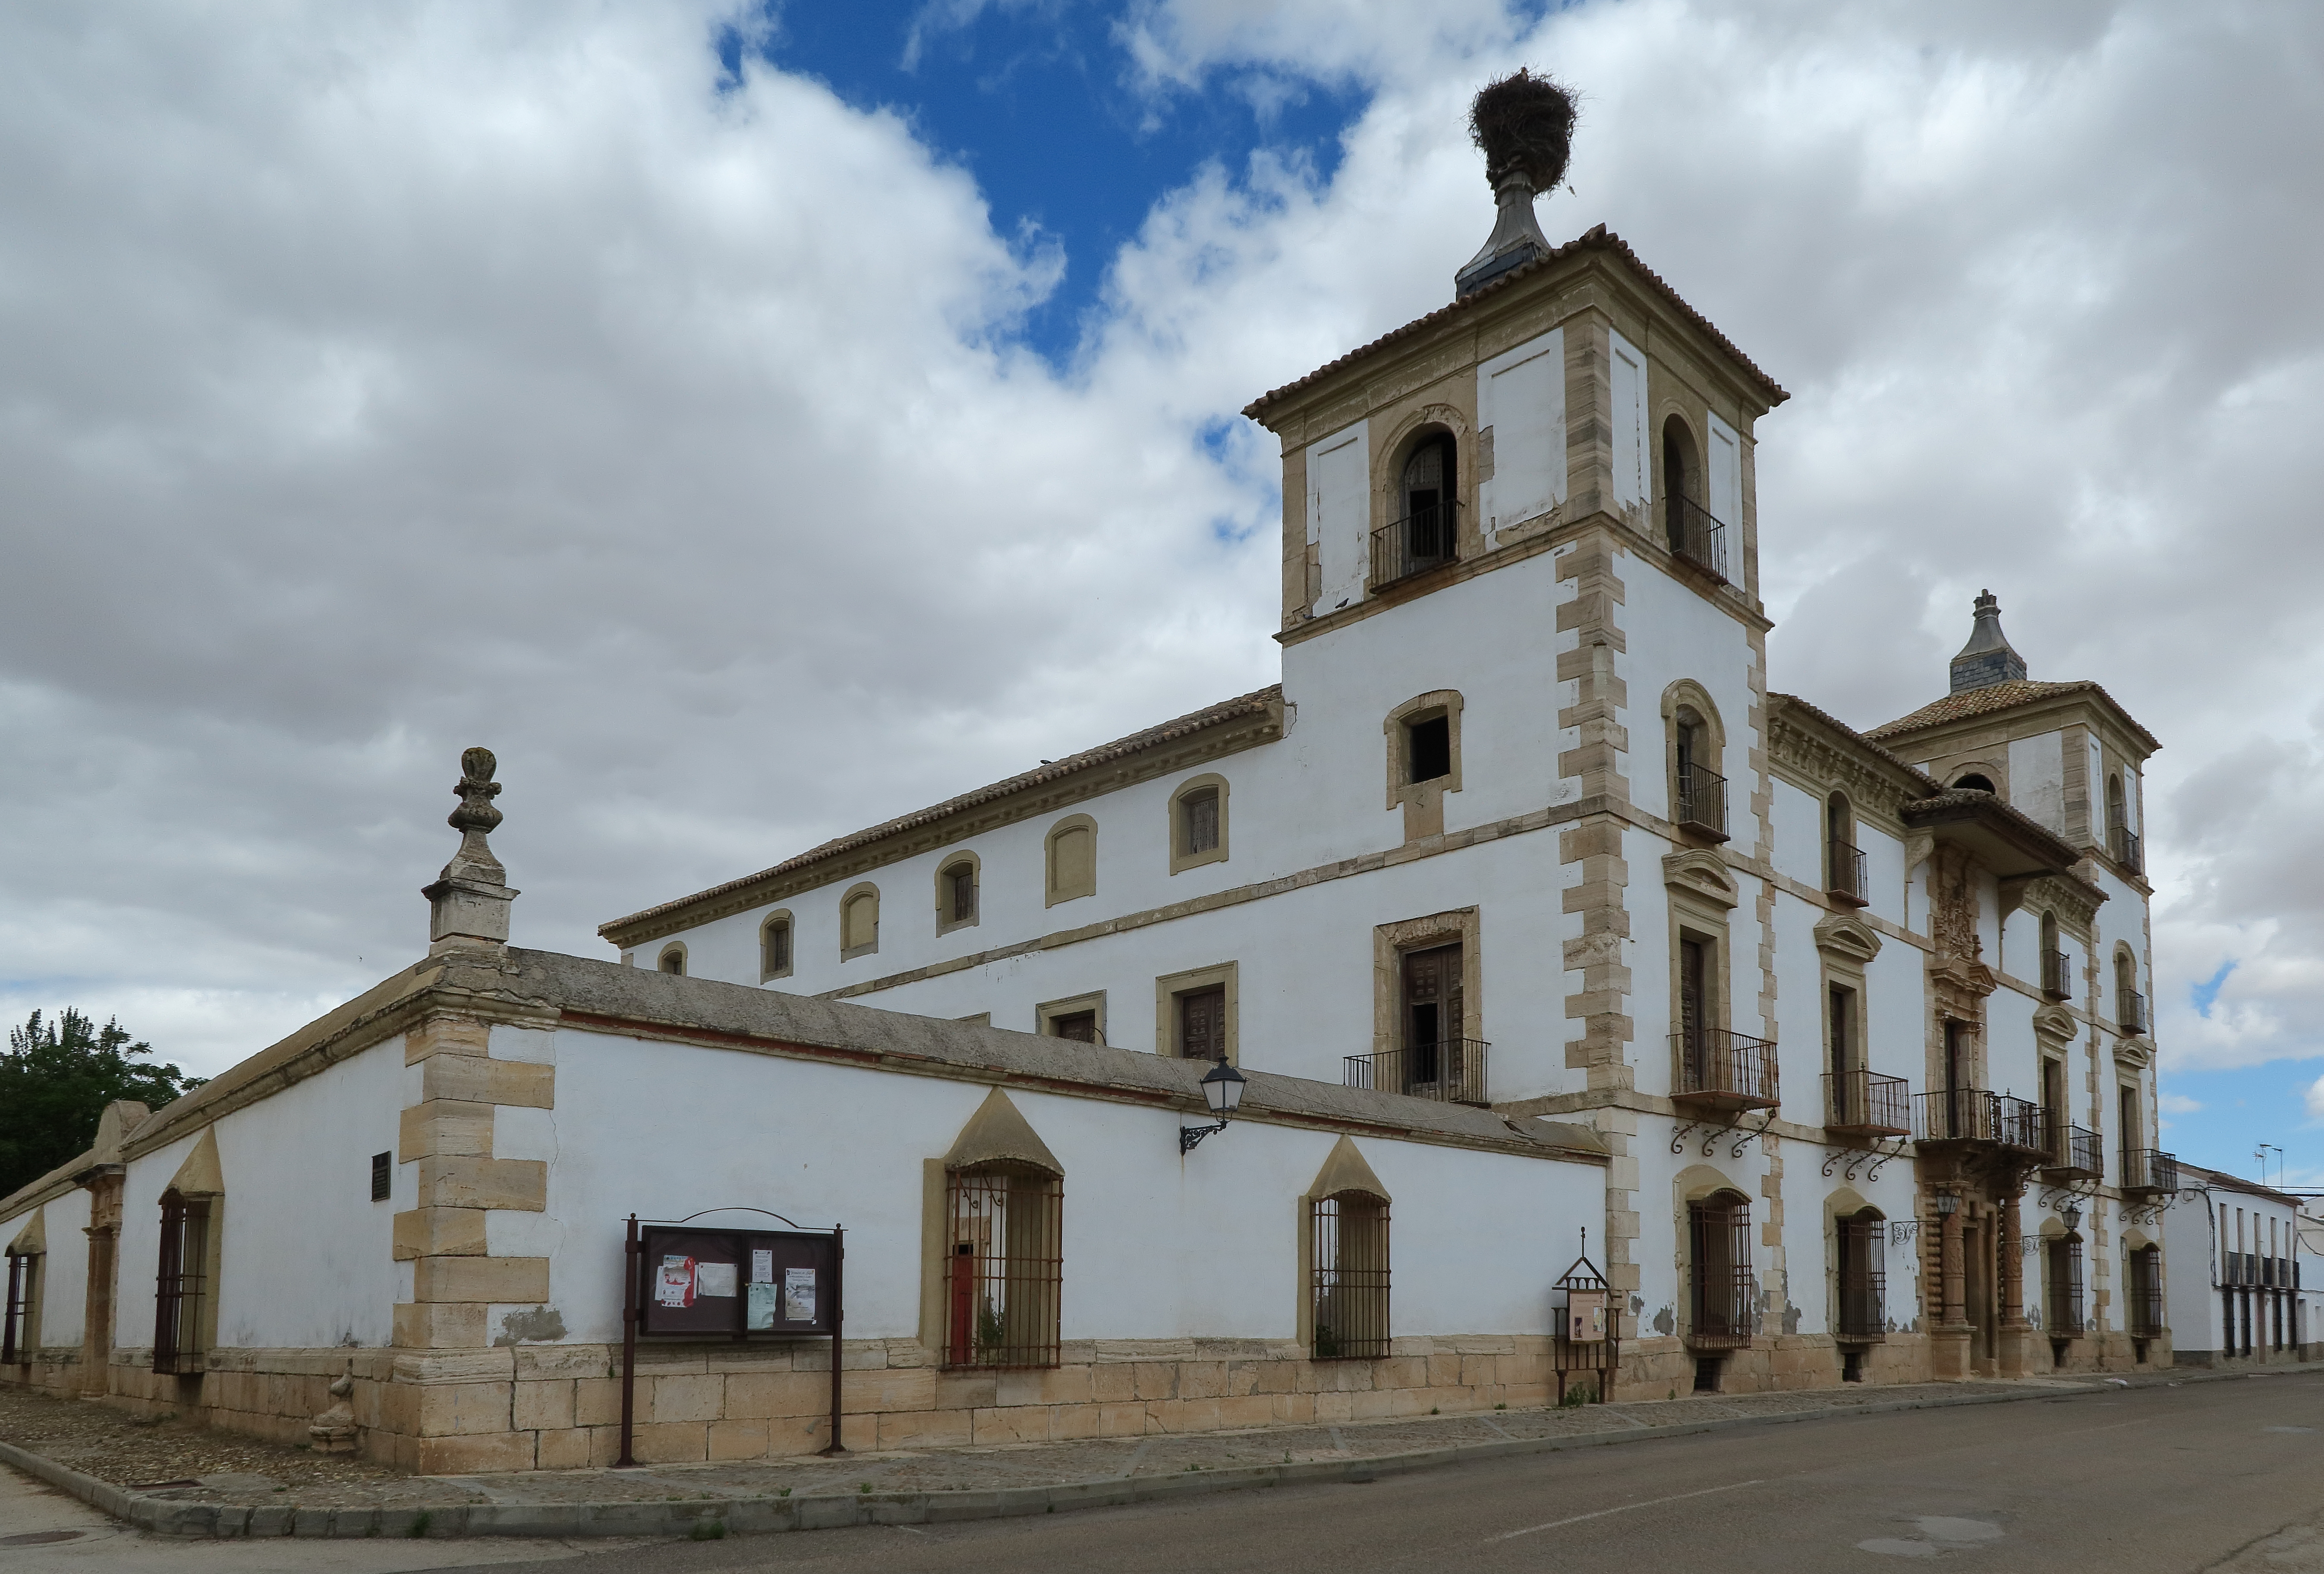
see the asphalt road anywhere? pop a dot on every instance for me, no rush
(2170, 1480)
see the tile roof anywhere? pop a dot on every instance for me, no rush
(1254, 702)
(1597, 239)
(2000, 696)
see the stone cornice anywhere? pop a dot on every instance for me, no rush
(1817, 752)
(1230, 736)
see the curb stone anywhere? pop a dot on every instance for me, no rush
(756, 1513)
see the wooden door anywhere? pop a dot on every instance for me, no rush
(1432, 1010)
(1693, 1007)
(1203, 1023)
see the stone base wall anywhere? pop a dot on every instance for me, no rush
(2217, 1361)
(2098, 1352)
(271, 1394)
(1658, 1368)
(54, 1371)
(558, 1406)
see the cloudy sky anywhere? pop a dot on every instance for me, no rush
(755, 422)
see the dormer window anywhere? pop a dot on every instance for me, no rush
(1424, 534)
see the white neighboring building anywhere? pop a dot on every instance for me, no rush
(2256, 1303)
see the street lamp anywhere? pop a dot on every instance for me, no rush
(1223, 1091)
(1947, 1204)
(2073, 1218)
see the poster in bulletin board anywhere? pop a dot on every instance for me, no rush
(735, 1283)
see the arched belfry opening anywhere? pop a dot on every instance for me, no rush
(1425, 533)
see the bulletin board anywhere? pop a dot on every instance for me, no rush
(735, 1283)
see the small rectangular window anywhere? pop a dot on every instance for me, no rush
(1081, 1026)
(1429, 752)
(961, 883)
(1203, 1023)
(383, 1175)
(777, 946)
(1200, 815)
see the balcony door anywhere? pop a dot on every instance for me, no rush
(1694, 1017)
(1433, 1014)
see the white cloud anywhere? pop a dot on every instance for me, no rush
(2316, 1099)
(375, 384)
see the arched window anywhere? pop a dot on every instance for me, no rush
(1198, 823)
(1071, 854)
(1721, 1288)
(2054, 980)
(1688, 529)
(859, 922)
(1427, 531)
(1974, 782)
(1004, 1265)
(673, 959)
(1349, 1276)
(774, 946)
(1857, 1240)
(1843, 863)
(958, 892)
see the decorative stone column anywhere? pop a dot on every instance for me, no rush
(2015, 1333)
(1948, 1343)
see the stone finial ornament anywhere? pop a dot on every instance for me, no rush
(1524, 125)
(334, 1430)
(468, 905)
(1988, 657)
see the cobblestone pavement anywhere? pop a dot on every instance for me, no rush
(174, 1461)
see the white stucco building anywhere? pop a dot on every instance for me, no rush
(1524, 904)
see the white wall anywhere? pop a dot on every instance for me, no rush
(306, 1255)
(64, 1266)
(2037, 779)
(1157, 1245)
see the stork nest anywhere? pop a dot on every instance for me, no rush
(1523, 124)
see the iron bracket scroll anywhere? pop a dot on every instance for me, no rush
(1744, 1141)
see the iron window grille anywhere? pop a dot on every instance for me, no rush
(383, 1175)
(2146, 1292)
(960, 893)
(1349, 1277)
(178, 1287)
(775, 944)
(17, 1312)
(1720, 1289)
(2066, 1285)
(1863, 1276)
(1003, 1266)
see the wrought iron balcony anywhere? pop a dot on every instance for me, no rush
(1866, 1104)
(1844, 874)
(2133, 1011)
(1695, 534)
(2149, 1169)
(1702, 806)
(1976, 1115)
(1452, 1071)
(2075, 1153)
(2127, 849)
(1712, 1069)
(1720, 1302)
(1422, 540)
(2057, 976)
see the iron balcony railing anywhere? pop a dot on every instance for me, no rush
(1702, 805)
(2057, 979)
(1975, 1115)
(2127, 849)
(1695, 534)
(1845, 882)
(1422, 540)
(1452, 1070)
(2074, 1151)
(1721, 1304)
(2133, 1011)
(1860, 1306)
(1861, 1103)
(1722, 1071)
(2149, 1169)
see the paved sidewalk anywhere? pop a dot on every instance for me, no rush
(923, 1486)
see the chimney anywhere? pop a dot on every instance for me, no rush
(1987, 659)
(468, 905)
(1524, 125)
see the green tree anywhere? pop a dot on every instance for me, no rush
(55, 1080)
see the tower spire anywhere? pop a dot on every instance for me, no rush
(1524, 125)
(1988, 658)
